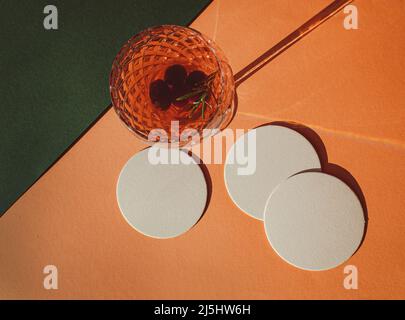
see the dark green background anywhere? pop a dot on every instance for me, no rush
(54, 83)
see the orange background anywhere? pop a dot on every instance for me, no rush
(347, 87)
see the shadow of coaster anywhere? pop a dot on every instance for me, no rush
(161, 200)
(314, 221)
(280, 153)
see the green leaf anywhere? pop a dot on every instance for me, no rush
(202, 109)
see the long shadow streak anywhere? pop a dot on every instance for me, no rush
(289, 40)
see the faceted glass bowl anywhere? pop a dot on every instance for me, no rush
(145, 57)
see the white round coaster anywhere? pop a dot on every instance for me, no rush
(280, 153)
(161, 200)
(314, 221)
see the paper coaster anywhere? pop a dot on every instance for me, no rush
(280, 153)
(163, 200)
(314, 221)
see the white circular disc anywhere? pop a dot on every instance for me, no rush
(280, 153)
(161, 200)
(314, 221)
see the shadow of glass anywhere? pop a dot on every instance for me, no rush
(289, 40)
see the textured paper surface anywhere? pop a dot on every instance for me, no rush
(280, 153)
(346, 86)
(161, 200)
(314, 221)
(55, 82)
